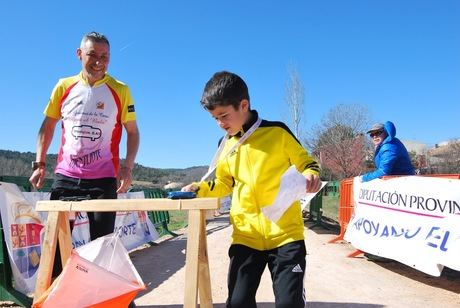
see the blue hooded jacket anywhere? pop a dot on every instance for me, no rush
(391, 157)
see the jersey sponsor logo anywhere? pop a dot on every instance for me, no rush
(100, 105)
(131, 108)
(85, 160)
(86, 131)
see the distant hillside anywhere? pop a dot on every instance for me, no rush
(19, 164)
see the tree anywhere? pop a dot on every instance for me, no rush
(445, 158)
(340, 143)
(294, 98)
(420, 163)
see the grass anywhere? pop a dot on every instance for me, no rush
(331, 207)
(177, 220)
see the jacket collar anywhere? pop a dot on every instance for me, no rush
(97, 83)
(246, 126)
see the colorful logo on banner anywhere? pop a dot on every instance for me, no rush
(24, 235)
(26, 247)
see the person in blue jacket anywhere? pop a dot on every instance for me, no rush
(391, 156)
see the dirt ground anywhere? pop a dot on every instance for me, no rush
(332, 279)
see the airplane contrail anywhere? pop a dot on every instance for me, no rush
(126, 46)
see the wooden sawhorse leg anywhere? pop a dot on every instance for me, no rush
(57, 227)
(197, 274)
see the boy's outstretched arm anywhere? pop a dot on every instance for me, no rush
(217, 187)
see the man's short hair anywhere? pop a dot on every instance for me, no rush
(94, 37)
(224, 89)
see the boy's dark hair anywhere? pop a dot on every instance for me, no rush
(95, 37)
(224, 89)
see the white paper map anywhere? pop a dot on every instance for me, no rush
(292, 188)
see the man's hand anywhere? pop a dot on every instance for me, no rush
(37, 179)
(125, 178)
(313, 183)
(45, 136)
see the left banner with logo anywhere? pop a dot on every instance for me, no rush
(23, 229)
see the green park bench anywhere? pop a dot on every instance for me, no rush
(316, 204)
(23, 182)
(160, 219)
(332, 189)
(316, 209)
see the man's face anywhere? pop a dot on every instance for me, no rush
(229, 119)
(378, 137)
(94, 60)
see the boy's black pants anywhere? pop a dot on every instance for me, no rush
(287, 268)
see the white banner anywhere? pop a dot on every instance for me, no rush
(23, 234)
(134, 228)
(23, 229)
(414, 220)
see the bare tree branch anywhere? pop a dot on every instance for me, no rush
(340, 142)
(294, 97)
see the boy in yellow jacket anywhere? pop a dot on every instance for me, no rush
(252, 158)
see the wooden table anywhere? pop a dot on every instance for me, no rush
(57, 227)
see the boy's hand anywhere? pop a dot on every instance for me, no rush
(190, 187)
(313, 183)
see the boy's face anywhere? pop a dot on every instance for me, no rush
(229, 119)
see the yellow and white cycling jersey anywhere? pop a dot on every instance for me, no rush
(92, 118)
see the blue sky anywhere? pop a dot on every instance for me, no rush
(401, 59)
